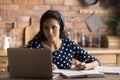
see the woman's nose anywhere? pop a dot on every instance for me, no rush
(50, 31)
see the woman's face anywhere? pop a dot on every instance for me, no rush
(51, 29)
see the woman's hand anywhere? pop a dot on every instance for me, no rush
(81, 66)
(86, 66)
(54, 66)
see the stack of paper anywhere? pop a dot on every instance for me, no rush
(109, 70)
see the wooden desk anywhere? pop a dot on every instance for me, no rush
(5, 76)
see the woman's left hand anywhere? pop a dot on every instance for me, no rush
(54, 66)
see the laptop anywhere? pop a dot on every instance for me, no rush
(30, 63)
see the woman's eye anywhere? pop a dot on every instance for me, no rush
(53, 27)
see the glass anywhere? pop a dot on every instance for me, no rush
(99, 41)
(83, 43)
(90, 41)
(13, 36)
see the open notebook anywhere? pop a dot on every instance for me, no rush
(80, 74)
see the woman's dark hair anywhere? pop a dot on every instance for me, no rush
(50, 14)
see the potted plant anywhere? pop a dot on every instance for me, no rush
(114, 24)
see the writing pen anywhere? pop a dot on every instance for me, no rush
(85, 60)
(81, 66)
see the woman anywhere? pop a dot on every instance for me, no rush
(51, 36)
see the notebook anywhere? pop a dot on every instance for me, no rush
(30, 63)
(109, 70)
(80, 73)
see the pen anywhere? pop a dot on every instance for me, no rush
(85, 60)
(81, 66)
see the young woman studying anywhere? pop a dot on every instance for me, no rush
(50, 36)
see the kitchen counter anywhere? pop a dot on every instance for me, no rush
(108, 57)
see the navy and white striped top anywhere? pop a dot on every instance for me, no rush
(62, 57)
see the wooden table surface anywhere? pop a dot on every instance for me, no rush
(5, 76)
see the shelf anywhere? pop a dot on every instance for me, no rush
(85, 11)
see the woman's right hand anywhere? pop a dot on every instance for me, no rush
(54, 66)
(80, 66)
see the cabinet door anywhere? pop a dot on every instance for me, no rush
(118, 60)
(3, 62)
(107, 59)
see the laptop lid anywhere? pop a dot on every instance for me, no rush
(30, 63)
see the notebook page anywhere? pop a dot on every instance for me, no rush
(75, 71)
(63, 70)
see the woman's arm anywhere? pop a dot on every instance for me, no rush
(82, 55)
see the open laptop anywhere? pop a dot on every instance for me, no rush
(30, 63)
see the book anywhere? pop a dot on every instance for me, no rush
(109, 70)
(80, 74)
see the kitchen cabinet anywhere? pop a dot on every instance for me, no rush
(3, 60)
(108, 57)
